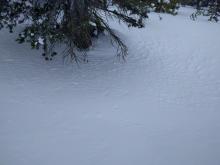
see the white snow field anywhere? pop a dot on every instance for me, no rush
(160, 107)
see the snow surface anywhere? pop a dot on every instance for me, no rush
(161, 107)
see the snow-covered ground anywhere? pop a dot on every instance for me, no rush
(161, 107)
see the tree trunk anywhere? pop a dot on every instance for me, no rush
(78, 23)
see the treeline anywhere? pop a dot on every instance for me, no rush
(75, 23)
(210, 8)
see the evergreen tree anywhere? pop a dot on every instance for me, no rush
(165, 6)
(214, 10)
(74, 22)
(210, 8)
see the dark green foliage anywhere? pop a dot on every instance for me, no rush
(74, 22)
(210, 8)
(214, 10)
(170, 7)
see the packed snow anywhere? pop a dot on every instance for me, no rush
(160, 107)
